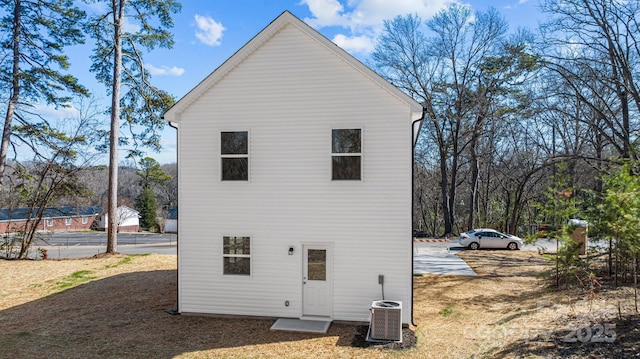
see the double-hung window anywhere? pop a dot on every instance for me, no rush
(236, 254)
(346, 154)
(234, 153)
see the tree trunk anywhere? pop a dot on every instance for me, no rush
(475, 175)
(635, 280)
(610, 259)
(454, 178)
(15, 88)
(624, 102)
(448, 225)
(112, 225)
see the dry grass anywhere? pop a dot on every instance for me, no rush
(115, 308)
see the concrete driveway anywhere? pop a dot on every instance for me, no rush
(439, 257)
(440, 263)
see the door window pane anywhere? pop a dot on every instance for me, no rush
(317, 264)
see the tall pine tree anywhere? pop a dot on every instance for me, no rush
(147, 206)
(151, 174)
(118, 64)
(34, 34)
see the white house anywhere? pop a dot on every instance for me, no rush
(295, 167)
(171, 221)
(128, 220)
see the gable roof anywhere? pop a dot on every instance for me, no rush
(16, 214)
(286, 18)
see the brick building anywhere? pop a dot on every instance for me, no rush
(64, 218)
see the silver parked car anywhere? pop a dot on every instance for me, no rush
(489, 238)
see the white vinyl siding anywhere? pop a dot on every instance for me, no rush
(292, 91)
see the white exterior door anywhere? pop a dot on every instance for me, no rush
(317, 281)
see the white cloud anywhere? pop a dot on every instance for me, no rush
(325, 13)
(356, 44)
(368, 13)
(51, 112)
(129, 26)
(164, 70)
(209, 31)
(363, 19)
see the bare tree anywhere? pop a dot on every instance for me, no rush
(59, 153)
(447, 73)
(597, 55)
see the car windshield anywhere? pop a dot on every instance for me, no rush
(471, 231)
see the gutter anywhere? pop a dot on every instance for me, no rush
(415, 136)
(177, 310)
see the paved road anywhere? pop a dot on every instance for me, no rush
(87, 244)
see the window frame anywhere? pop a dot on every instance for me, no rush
(234, 255)
(67, 221)
(246, 155)
(49, 222)
(85, 220)
(347, 154)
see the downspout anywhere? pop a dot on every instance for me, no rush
(414, 140)
(176, 311)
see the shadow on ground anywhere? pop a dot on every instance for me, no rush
(124, 316)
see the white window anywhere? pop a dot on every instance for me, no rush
(234, 153)
(346, 154)
(49, 222)
(236, 255)
(67, 221)
(85, 220)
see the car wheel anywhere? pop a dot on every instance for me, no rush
(474, 245)
(512, 246)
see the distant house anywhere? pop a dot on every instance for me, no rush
(295, 192)
(128, 220)
(64, 218)
(171, 221)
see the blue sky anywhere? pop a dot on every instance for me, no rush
(206, 33)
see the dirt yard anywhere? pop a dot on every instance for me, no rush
(115, 307)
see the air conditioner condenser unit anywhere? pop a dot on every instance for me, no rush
(386, 321)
